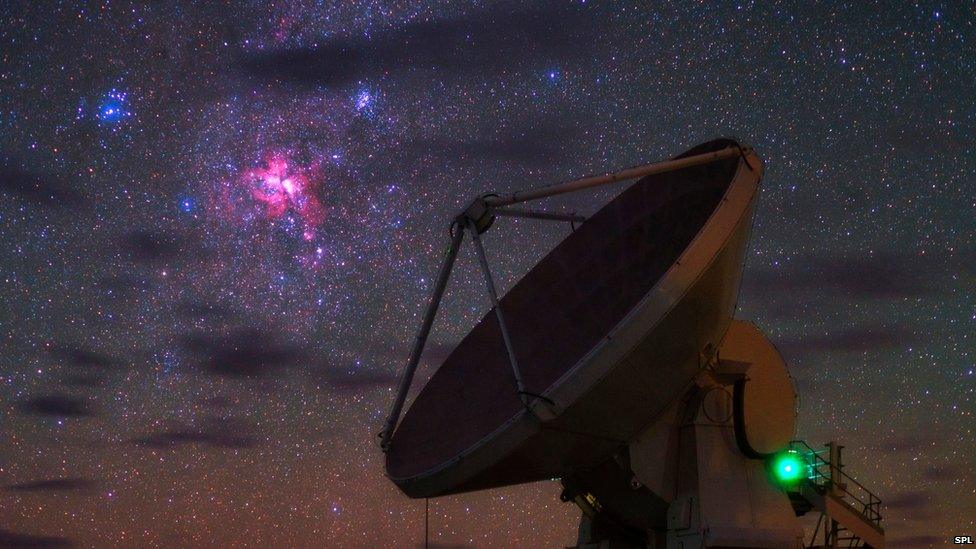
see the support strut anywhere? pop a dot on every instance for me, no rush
(533, 214)
(496, 201)
(421, 340)
(490, 283)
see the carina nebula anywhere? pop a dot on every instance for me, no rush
(283, 191)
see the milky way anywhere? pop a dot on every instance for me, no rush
(220, 224)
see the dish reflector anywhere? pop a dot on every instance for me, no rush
(608, 328)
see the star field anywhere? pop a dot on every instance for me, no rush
(221, 224)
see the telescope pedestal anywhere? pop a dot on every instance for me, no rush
(722, 498)
(710, 493)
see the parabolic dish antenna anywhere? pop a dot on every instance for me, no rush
(615, 365)
(606, 330)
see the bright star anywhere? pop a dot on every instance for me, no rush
(187, 204)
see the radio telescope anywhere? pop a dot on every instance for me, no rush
(616, 366)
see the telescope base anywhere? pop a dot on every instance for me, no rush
(709, 494)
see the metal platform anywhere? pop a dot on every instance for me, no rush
(850, 514)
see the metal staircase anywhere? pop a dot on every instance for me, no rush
(850, 515)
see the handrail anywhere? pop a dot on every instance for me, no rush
(871, 507)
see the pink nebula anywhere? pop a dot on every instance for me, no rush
(281, 187)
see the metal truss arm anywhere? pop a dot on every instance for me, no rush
(490, 283)
(421, 340)
(534, 214)
(496, 201)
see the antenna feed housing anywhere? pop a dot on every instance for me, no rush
(479, 213)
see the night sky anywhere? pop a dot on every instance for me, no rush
(220, 223)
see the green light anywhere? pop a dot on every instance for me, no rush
(788, 468)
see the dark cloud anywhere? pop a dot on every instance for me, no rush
(907, 501)
(86, 368)
(911, 444)
(396, 354)
(918, 541)
(88, 381)
(358, 382)
(541, 144)
(83, 357)
(215, 432)
(484, 44)
(218, 402)
(944, 472)
(55, 405)
(883, 275)
(121, 284)
(247, 353)
(150, 247)
(14, 540)
(204, 310)
(38, 189)
(53, 485)
(850, 340)
(173, 438)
